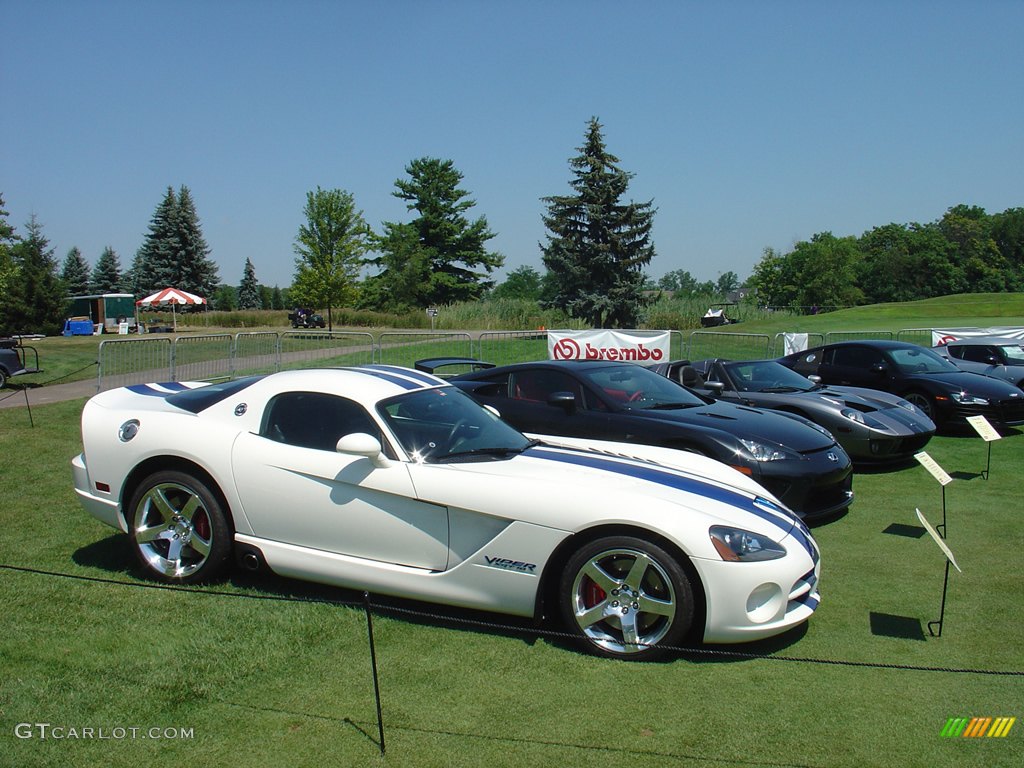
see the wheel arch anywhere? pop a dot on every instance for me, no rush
(547, 594)
(171, 463)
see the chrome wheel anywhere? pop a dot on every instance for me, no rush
(625, 596)
(178, 529)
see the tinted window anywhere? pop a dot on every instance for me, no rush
(315, 420)
(856, 357)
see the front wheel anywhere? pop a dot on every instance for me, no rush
(626, 598)
(923, 403)
(178, 528)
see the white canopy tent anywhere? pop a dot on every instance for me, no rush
(170, 296)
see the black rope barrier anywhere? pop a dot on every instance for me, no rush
(384, 609)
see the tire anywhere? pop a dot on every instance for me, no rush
(923, 403)
(178, 528)
(3, 379)
(626, 598)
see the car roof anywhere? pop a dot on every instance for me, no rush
(985, 340)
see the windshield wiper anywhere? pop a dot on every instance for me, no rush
(668, 406)
(780, 390)
(496, 451)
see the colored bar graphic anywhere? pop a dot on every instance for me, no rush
(977, 727)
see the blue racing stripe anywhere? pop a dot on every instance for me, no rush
(403, 382)
(681, 482)
(149, 391)
(426, 378)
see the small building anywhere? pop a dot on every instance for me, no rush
(105, 310)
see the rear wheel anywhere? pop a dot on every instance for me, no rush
(626, 598)
(178, 528)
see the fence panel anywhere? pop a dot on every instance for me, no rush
(833, 336)
(506, 347)
(732, 346)
(920, 336)
(124, 362)
(255, 352)
(406, 348)
(313, 349)
(202, 358)
(779, 343)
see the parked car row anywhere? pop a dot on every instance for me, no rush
(641, 508)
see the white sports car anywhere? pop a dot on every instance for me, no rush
(390, 480)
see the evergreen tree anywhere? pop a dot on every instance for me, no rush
(175, 253)
(329, 248)
(598, 247)
(106, 275)
(7, 241)
(439, 257)
(276, 299)
(36, 299)
(75, 273)
(249, 296)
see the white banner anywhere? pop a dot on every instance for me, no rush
(940, 337)
(794, 342)
(633, 346)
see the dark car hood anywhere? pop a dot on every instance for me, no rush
(974, 383)
(749, 423)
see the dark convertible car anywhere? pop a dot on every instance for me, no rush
(797, 461)
(936, 386)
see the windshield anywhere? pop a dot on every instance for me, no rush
(633, 386)
(766, 376)
(445, 424)
(920, 360)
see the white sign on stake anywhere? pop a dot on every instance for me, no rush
(938, 539)
(981, 425)
(933, 467)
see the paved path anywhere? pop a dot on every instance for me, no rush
(52, 393)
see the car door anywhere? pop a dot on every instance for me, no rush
(534, 401)
(855, 365)
(296, 488)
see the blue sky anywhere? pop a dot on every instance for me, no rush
(749, 124)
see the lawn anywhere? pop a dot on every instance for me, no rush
(273, 672)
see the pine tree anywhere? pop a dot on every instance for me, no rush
(8, 239)
(75, 273)
(249, 296)
(106, 275)
(175, 253)
(35, 300)
(598, 247)
(439, 257)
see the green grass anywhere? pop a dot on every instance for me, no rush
(288, 683)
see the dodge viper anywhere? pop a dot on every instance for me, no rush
(391, 480)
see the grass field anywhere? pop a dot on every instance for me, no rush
(240, 673)
(277, 672)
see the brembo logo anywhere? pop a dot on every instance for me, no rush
(569, 349)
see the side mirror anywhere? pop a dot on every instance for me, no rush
(879, 368)
(814, 378)
(716, 388)
(564, 400)
(362, 444)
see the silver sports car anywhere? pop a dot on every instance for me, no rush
(872, 426)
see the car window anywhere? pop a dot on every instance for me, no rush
(975, 353)
(315, 420)
(1013, 354)
(538, 385)
(634, 386)
(920, 360)
(856, 357)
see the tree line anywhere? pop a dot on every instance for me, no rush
(965, 251)
(598, 245)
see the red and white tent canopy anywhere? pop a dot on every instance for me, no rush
(170, 296)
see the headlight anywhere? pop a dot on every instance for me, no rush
(737, 545)
(909, 406)
(762, 452)
(967, 399)
(853, 415)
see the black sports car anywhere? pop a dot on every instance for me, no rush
(936, 386)
(797, 461)
(872, 426)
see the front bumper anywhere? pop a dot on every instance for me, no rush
(100, 506)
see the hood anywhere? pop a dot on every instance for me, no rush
(974, 383)
(741, 421)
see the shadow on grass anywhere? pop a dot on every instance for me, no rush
(901, 627)
(113, 555)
